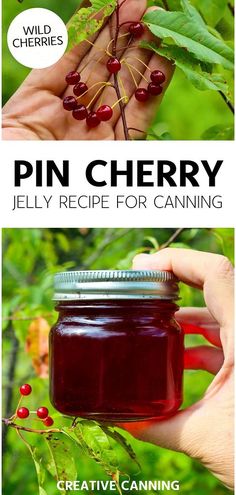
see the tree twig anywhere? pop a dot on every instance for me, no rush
(165, 3)
(228, 103)
(6, 422)
(231, 8)
(10, 380)
(116, 84)
(172, 238)
(109, 238)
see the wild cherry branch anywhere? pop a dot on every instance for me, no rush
(228, 103)
(22, 413)
(80, 103)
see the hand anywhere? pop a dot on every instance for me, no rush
(35, 111)
(203, 431)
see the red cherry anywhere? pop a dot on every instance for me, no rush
(136, 29)
(154, 89)
(104, 113)
(141, 94)
(158, 77)
(22, 412)
(69, 103)
(72, 78)
(80, 113)
(48, 421)
(80, 89)
(113, 65)
(42, 412)
(25, 389)
(92, 120)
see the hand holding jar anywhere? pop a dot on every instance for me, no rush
(203, 431)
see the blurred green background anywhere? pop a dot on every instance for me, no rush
(186, 113)
(30, 258)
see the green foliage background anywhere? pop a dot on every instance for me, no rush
(186, 113)
(30, 258)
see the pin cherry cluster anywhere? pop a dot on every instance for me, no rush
(41, 414)
(83, 110)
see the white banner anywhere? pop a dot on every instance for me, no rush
(184, 184)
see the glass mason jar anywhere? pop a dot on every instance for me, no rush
(116, 351)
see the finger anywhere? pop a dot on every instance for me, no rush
(175, 433)
(144, 113)
(198, 321)
(203, 358)
(196, 316)
(211, 272)
(53, 78)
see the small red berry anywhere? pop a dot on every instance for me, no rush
(113, 65)
(72, 78)
(25, 389)
(69, 103)
(154, 89)
(141, 94)
(42, 412)
(80, 89)
(80, 113)
(22, 412)
(104, 113)
(48, 421)
(158, 77)
(136, 29)
(92, 120)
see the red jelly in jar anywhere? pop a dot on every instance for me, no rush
(116, 351)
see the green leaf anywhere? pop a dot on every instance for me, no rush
(62, 464)
(189, 10)
(188, 33)
(95, 443)
(154, 136)
(38, 462)
(88, 21)
(113, 433)
(39, 469)
(153, 241)
(219, 133)
(201, 79)
(212, 10)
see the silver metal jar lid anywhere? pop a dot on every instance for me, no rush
(115, 284)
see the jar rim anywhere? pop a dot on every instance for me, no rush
(115, 284)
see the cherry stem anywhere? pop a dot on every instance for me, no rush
(131, 47)
(17, 407)
(98, 48)
(132, 75)
(122, 85)
(7, 422)
(116, 80)
(135, 68)
(102, 83)
(128, 22)
(97, 93)
(118, 101)
(122, 111)
(119, 37)
(141, 62)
